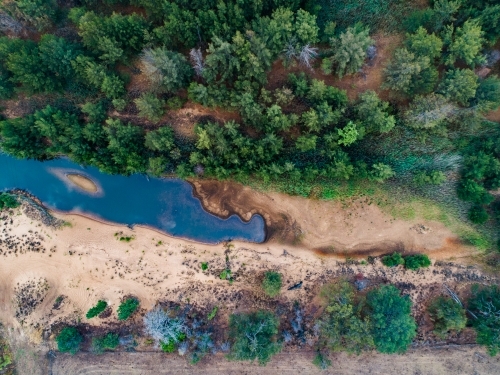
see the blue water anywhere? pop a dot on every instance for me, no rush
(166, 204)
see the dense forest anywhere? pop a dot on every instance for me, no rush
(66, 68)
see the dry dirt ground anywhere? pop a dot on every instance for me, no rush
(453, 361)
(330, 227)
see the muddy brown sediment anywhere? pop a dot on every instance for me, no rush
(227, 198)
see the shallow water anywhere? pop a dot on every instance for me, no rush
(165, 204)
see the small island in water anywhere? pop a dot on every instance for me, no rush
(82, 182)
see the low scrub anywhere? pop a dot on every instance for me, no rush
(69, 340)
(447, 316)
(108, 341)
(272, 283)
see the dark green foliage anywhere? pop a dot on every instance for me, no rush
(343, 328)
(167, 71)
(487, 94)
(108, 341)
(253, 336)
(42, 67)
(38, 13)
(8, 201)
(96, 75)
(349, 50)
(272, 283)
(447, 316)
(433, 178)
(167, 347)
(393, 260)
(112, 38)
(22, 139)
(150, 107)
(459, 85)
(392, 326)
(414, 262)
(69, 340)
(204, 266)
(478, 215)
(403, 71)
(373, 113)
(97, 309)
(485, 305)
(465, 43)
(127, 308)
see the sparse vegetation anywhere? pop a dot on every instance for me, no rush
(271, 284)
(414, 262)
(393, 260)
(108, 341)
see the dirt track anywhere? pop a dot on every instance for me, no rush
(453, 361)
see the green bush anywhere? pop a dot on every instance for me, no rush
(392, 326)
(97, 309)
(272, 283)
(414, 262)
(447, 315)
(168, 347)
(108, 341)
(212, 313)
(393, 260)
(69, 340)
(321, 361)
(127, 308)
(478, 214)
(254, 336)
(204, 266)
(8, 201)
(485, 305)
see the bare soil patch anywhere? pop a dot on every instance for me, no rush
(371, 77)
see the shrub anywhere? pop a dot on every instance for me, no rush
(204, 266)
(485, 305)
(168, 347)
(341, 325)
(127, 308)
(212, 313)
(108, 341)
(478, 214)
(414, 262)
(8, 201)
(321, 361)
(392, 326)
(97, 309)
(393, 260)
(254, 336)
(69, 340)
(272, 283)
(447, 315)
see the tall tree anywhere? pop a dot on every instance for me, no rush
(459, 85)
(349, 50)
(465, 43)
(167, 71)
(404, 69)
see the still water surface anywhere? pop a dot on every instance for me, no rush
(166, 204)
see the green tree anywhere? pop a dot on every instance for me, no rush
(22, 139)
(392, 325)
(447, 316)
(465, 43)
(373, 113)
(341, 324)
(150, 107)
(161, 140)
(404, 69)
(421, 43)
(485, 305)
(253, 336)
(128, 307)
(39, 13)
(459, 85)
(348, 135)
(478, 215)
(272, 283)
(487, 95)
(69, 340)
(306, 29)
(167, 71)
(306, 143)
(350, 50)
(97, 309)
(490, 23)
(8, 201)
